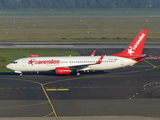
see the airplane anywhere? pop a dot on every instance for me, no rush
(65, 65)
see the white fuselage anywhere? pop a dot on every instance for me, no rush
(81, 63)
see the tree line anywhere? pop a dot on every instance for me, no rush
(78, 4)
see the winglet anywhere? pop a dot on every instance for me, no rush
(100, 59)
(93, 53)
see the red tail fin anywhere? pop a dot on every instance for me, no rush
(135, 49)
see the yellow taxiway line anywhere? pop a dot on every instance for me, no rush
(57, 89)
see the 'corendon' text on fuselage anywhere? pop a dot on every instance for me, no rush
(36, 62)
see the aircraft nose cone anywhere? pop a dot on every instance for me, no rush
(9, 66)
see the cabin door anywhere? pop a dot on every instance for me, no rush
(23, 63)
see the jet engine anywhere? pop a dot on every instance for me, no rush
(62, 71)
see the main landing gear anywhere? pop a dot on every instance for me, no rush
(77, 73)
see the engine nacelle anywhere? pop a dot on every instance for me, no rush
(62, 71)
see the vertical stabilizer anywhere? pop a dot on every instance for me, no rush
(135, 49)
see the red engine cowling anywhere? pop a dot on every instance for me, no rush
(62, 71)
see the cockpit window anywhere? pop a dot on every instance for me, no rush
(14, 62)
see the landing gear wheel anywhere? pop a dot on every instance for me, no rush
(78, 74)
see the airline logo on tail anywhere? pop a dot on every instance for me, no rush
(131, 49)
(135, 48)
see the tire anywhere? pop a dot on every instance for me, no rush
(78, 74)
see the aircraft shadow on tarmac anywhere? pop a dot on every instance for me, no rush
(53, 74)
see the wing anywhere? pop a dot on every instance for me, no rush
(86, 65)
